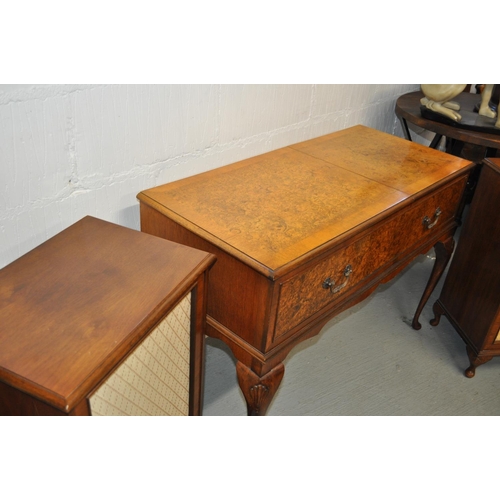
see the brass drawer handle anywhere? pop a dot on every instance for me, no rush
(427, 222)
(330, 284)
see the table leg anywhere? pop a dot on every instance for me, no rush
(259, 391)
(435, 142)
(475, 361)
(438, 310)
(444, 250)
(406, 130)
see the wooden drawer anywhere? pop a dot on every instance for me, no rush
(320, 285)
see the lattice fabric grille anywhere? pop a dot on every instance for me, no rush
(154, 379)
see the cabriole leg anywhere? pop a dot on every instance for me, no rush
(259, 391)
(438, 312)
(443, 250)
(475, 361)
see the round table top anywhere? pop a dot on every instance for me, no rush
(408, 108)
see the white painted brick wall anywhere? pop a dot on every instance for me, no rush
(67, 151)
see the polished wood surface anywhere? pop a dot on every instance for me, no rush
(470, 297)
(73, 307)
(347, 208)
(257, 211)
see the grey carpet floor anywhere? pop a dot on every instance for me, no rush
(369, 361)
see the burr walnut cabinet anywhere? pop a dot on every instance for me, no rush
(470, 297)
(304, 232)
(103, 320)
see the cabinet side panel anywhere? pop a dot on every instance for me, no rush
(14, 402)
(472, 288)
(154, 379)
(238, 297)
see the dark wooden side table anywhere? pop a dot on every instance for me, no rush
(304, 232)
(461, 140)
(470, 297)
(103, 320)
(469, 144)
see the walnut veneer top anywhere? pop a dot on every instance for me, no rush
(70, 308)
(273, 209)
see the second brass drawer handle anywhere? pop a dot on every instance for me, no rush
(427, 221)
(330, 284)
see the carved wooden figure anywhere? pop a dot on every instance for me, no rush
(438, 97)
(485, 109)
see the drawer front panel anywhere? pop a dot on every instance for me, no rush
(154, 379)
(303, 295)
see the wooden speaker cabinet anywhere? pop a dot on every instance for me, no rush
(470, 298)
(103, 320)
